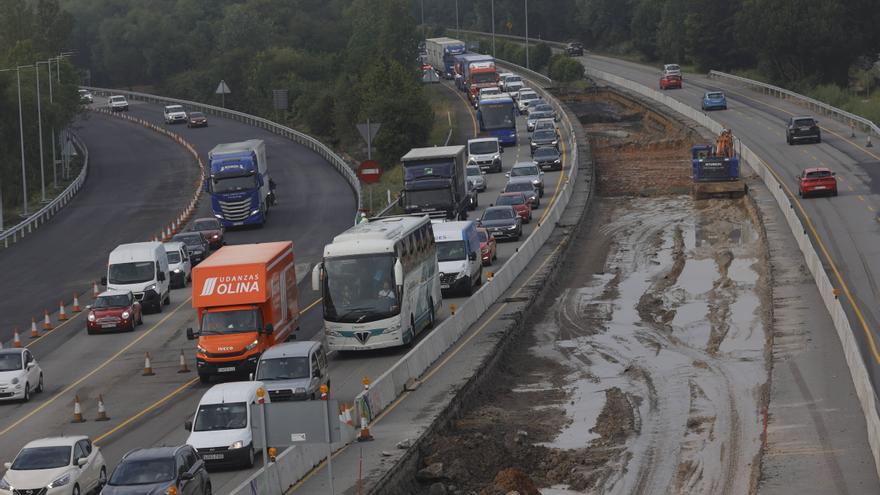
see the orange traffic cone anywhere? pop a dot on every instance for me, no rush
(183, 367)
(16, 339)
(148, 368)
(76, 308)
(102, 413)
(364, 435)
(34, 332)
(62, 314)
(95, 290)
(47, 323)
(77, 411)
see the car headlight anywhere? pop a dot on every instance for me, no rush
(125, 315)
(216, 236)
(150, 287)
(177, 270)
(300, 391)
(512, 227)
(459, 275)
(237, 445)
(333, 333)
(495, 157)
(61, 481)
(557, 160)
(15, 381)
(536, 182)
(255, 211)
(251, 345)
(554, 143)
(201, 349)
(4, 485)
(92, 317)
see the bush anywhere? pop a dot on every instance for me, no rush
(565, 69)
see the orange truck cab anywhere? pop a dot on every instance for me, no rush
(245, 297)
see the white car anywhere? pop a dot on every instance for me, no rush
(525, 97)
(671, 70)
(174, 114)
(19, 374)
(55, 466)
(502, 77)
(85, 96)
(118, 103)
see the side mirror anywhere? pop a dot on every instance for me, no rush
(88, 306)
(160, 276)
(190, 335)
(268, 329)
(104, 280)
(507, 174)
(207, 186)
(501, 150)
(316, 276)
(186, 476)
(82, 461)
(188, 425)
(7, 465)
(472, 256)
(31, 365)
(398, 273)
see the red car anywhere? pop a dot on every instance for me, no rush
(817, 180)
(488, 246)
(519, 202)
(114, 310)
(211, 230)
(670, 81)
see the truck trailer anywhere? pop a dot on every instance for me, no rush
(441, 54)
(245, 297)
(435, 182)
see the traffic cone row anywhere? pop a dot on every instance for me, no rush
(78, 414)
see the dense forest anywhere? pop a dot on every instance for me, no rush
(798, 43)
(31, 32)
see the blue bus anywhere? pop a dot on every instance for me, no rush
(497, 118)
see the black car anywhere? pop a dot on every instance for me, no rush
(160, 470)
(548, 158)
(196, 119)
(196, 244)
(574, 49)
(543, 138)
(802, 129)
(502, 222)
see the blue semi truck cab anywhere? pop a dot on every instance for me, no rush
(238, 183)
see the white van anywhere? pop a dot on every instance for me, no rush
(179, 263)
(458, 256)
(221, 428)
(294, 370)
(485, 153)
(142, 268)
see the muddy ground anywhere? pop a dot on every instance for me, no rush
(647, 371)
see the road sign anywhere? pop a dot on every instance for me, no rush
(310, 425)
(279, 99)
(369, 171)
(222, 88)
(369, 130)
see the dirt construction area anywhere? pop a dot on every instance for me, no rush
(645, 370)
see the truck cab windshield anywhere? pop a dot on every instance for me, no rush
(416, 171)
(287, 368)
(483, 147)
(234, 183)
(359, 289)
(213, 417)
(485, 77)
(235, 321)
(132, 273)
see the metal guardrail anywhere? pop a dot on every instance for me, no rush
(821, 107)
(25, 227)
(343, 167)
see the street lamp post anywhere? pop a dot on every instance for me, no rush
(493, 28)
(40, 132)
(54, 159)
(21, 130)
(457, 28)
(527, 34)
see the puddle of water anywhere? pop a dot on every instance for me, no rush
(698, 275)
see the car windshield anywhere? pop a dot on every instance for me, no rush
(489, 92)
(804, 122)
(174, 108)
(524, 171)
(519, 187)
(484, 236)
(117, 99)
(42, 458)
(132, 273)
(286, 368)
(498, 214)
(546, 153)
(234, 183)
(510, 79)
(483, 147)
(672, 67)
(544, 135)
(451, 251)
(173, 256)
(513, 199)
(116, 301)
(196, 115)
(208, 224)
(473, 171)
(143, 472)
(819, 174)
(235, 321)
(10, 362)
(227, 416)
(542, 107)
(189, 240)
(714, 96)
(359, 289)
(528, 96)
(540, 115)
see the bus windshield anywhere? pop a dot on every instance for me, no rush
(359, 289)
(497, 116)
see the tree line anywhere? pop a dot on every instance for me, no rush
(797, 43)
(341, 61)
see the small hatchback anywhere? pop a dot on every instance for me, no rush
(114, 310)
(817, 180)
(163, 470)
(19, 374)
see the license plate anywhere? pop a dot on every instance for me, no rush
(212, 457)
(226, 369)
(444, 286)
(819, 187)
(108, 325)
(237, 223)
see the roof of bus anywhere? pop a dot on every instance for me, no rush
(375, 236)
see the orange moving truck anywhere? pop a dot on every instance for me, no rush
(246, 299)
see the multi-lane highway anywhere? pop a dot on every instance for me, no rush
(847, 225)
(314, 204)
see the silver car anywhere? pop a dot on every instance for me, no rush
(476, 177)
(530, 171)
(293, 371)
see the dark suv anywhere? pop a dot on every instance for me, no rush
(801, 129)
(574, 49)
(158, 470)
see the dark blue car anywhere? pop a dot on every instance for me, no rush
(714, 100)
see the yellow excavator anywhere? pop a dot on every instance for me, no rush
(716, 168)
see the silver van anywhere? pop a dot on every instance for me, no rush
(294, 371)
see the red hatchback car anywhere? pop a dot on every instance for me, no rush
(488, 246)
(211, 230)
(670, 81)
(519, 202)
(114, 310)
(817, 180)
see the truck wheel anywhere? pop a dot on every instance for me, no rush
(167, 301)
